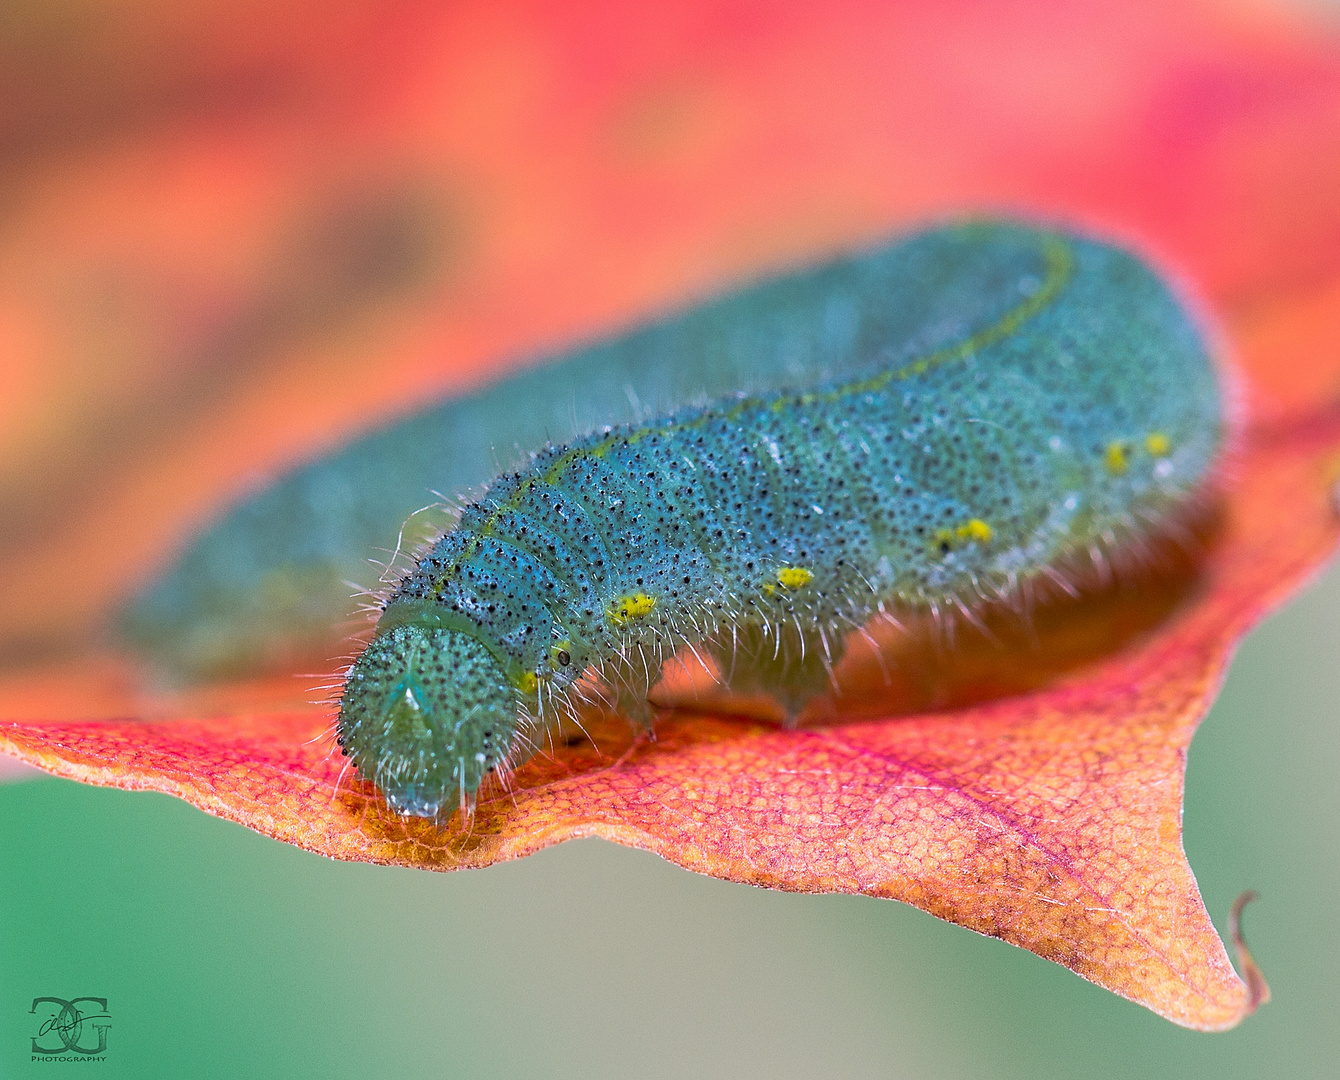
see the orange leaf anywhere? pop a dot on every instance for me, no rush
(668, 151)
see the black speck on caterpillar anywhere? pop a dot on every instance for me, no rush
(1067, 406)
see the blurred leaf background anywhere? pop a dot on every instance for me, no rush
(231, 232)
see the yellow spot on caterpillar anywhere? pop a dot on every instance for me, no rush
(793, 577)
(1116, 458)
(528, 682)
(976, 529)
(633, 606)
(1158, 444)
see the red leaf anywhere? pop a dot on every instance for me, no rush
(610, 164)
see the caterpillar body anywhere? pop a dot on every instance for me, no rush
(1072, 410)
(267, 584)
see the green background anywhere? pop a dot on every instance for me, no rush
(226, 954)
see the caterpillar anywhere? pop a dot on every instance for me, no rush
(266, 586)
(1063, 406)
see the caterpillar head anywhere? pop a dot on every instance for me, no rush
(426, 713)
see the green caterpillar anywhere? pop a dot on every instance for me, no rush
(1046, 400)
(266, 586)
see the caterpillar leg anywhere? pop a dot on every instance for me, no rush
(629, 679)
(789, 665)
